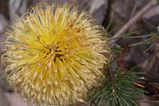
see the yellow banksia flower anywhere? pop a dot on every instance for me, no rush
(55, 54)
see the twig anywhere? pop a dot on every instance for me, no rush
(149, 101)
(133, 10)
(132, 21)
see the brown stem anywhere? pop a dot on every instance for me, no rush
(138, 15)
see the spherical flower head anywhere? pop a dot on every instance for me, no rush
(55, 54)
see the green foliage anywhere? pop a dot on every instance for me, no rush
(145, 40)
(120, 91)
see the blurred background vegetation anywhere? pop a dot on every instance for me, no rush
(132, 25)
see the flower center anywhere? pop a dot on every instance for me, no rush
(54, 52)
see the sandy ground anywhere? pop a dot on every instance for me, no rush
(14, 100)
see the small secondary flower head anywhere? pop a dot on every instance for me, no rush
(55, 54)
